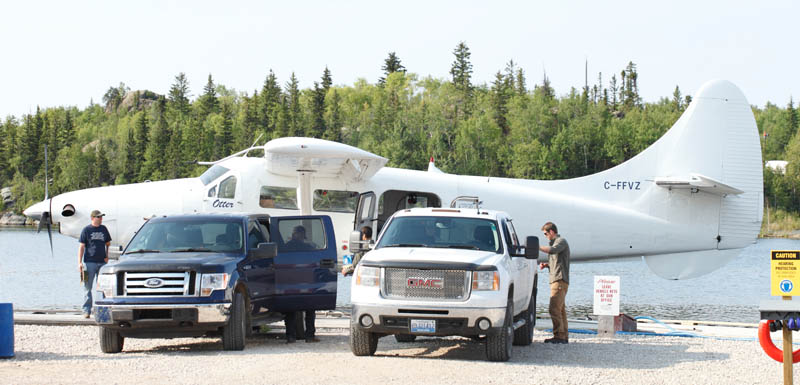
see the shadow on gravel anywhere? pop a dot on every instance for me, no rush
(261, 343)
(615, 353)
(584, 353)
(48, 356)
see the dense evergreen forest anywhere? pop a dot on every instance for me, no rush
(513, 127)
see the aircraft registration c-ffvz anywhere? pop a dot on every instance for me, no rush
(687, 204)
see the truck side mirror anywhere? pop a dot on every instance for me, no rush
(356, 244)
(532, 247)
(264, 250)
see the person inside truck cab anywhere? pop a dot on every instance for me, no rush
(366, 235)
(298, 240)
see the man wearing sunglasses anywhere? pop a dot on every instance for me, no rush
(558, 263)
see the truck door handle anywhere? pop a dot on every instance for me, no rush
(327, 263)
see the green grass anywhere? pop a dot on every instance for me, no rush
(780, 223)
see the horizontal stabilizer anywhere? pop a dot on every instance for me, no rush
(288, 156)
(697, 182)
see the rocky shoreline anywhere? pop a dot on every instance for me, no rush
(11, 219)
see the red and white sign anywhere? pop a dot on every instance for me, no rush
(606, 295)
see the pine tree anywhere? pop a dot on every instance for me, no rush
(501, 91)
(179, 95)
(792, 112)
(271, 100)
(317, 128)
(461, 70)
(327, 80)
(613, 88)
(334, 122)
(102, 171)
(391, 65)
(677, 100)
(295, 113)
(67, 133)
(224, 135)
(129, 170)
(141, 137)
(519, 83)
(209, 103)
(155, 154)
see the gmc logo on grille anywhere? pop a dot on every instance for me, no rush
(432, 283)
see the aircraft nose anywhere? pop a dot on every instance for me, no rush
(36, 210)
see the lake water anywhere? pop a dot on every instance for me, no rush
(31, 279)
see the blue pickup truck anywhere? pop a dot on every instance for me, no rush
(223, 274)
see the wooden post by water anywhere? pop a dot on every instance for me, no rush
(787, 351)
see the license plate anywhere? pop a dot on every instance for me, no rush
(423, 326)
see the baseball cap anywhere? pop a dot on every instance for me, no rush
(97, 213)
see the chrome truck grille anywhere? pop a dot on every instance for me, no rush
(452, 285)
(159, 284)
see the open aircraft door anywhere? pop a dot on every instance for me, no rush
(365, 213)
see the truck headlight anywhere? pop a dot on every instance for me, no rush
(485, 280)
(106, 283)
(211, 282)
(368, 276)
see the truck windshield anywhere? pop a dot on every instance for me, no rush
(442, 232)
(187, 236)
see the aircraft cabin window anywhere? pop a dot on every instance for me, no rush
(227, 188)
(278, 198)
(336, 201)
(212, 174)
(213, 192)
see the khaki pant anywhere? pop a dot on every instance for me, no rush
(558, 312)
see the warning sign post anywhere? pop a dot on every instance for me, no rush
(606, 295)
(785, 272)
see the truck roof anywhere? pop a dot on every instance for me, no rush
(453, 212)
(210, 216)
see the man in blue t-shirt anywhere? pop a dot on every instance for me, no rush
(92, 254)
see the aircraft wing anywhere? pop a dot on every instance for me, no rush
(288, 156)
(697, 182)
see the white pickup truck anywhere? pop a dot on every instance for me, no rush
(445, 272)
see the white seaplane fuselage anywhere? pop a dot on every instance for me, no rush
(687, 204)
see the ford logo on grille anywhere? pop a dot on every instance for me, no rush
(154, 283)
(428, 283)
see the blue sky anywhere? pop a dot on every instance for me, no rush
(67, 53)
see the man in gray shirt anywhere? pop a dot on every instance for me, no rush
(558, 263)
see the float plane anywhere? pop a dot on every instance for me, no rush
(687, 204)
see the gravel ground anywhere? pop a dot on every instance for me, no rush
(71, 354)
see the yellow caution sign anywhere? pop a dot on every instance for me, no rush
(785, 272)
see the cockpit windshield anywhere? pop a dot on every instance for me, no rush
(212, 174)
(442, 232)
(167, 236)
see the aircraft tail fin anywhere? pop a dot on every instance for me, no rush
(713, 149)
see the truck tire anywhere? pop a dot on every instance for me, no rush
(233, 333)
(405, 337)
(498, 344)
(362, 343)
(524, 335)
(110, 340)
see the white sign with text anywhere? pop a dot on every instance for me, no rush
(606, 295)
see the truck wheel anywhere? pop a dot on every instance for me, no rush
(405, 337)
(524, 335)
(110, 340)
(233, 333)
(498, 344)
(362, 343)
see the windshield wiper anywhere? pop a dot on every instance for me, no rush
(468, 247)
(189, 249)
(143, 251)
(406, 245)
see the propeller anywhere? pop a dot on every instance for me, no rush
(46, 219)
